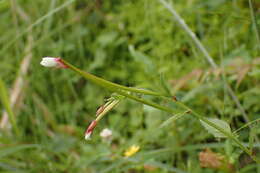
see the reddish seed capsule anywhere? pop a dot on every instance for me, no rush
(90, 129)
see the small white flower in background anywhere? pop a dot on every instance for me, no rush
(106, 134)
(52, 62)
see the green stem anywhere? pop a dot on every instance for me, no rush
(146, 102)
(122, 91)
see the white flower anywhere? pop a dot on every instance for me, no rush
(106, 134)
(52, 62)
(49, 62)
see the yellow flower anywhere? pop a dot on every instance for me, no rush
(131, 150)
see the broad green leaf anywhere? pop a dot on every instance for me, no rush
(220, 123)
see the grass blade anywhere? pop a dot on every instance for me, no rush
(6, 104)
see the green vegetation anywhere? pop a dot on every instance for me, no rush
(140, 44)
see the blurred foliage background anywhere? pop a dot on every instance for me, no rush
(135, 43)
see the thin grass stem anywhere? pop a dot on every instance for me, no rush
(6, 104)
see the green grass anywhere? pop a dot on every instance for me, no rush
(134, 43)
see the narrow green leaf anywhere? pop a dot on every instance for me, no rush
(220, 123)
(247, 124)
(6, 104)
(172, 119)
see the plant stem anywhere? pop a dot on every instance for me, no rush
(122, 90)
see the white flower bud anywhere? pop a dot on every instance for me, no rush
(52, 62)
(49, 62)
